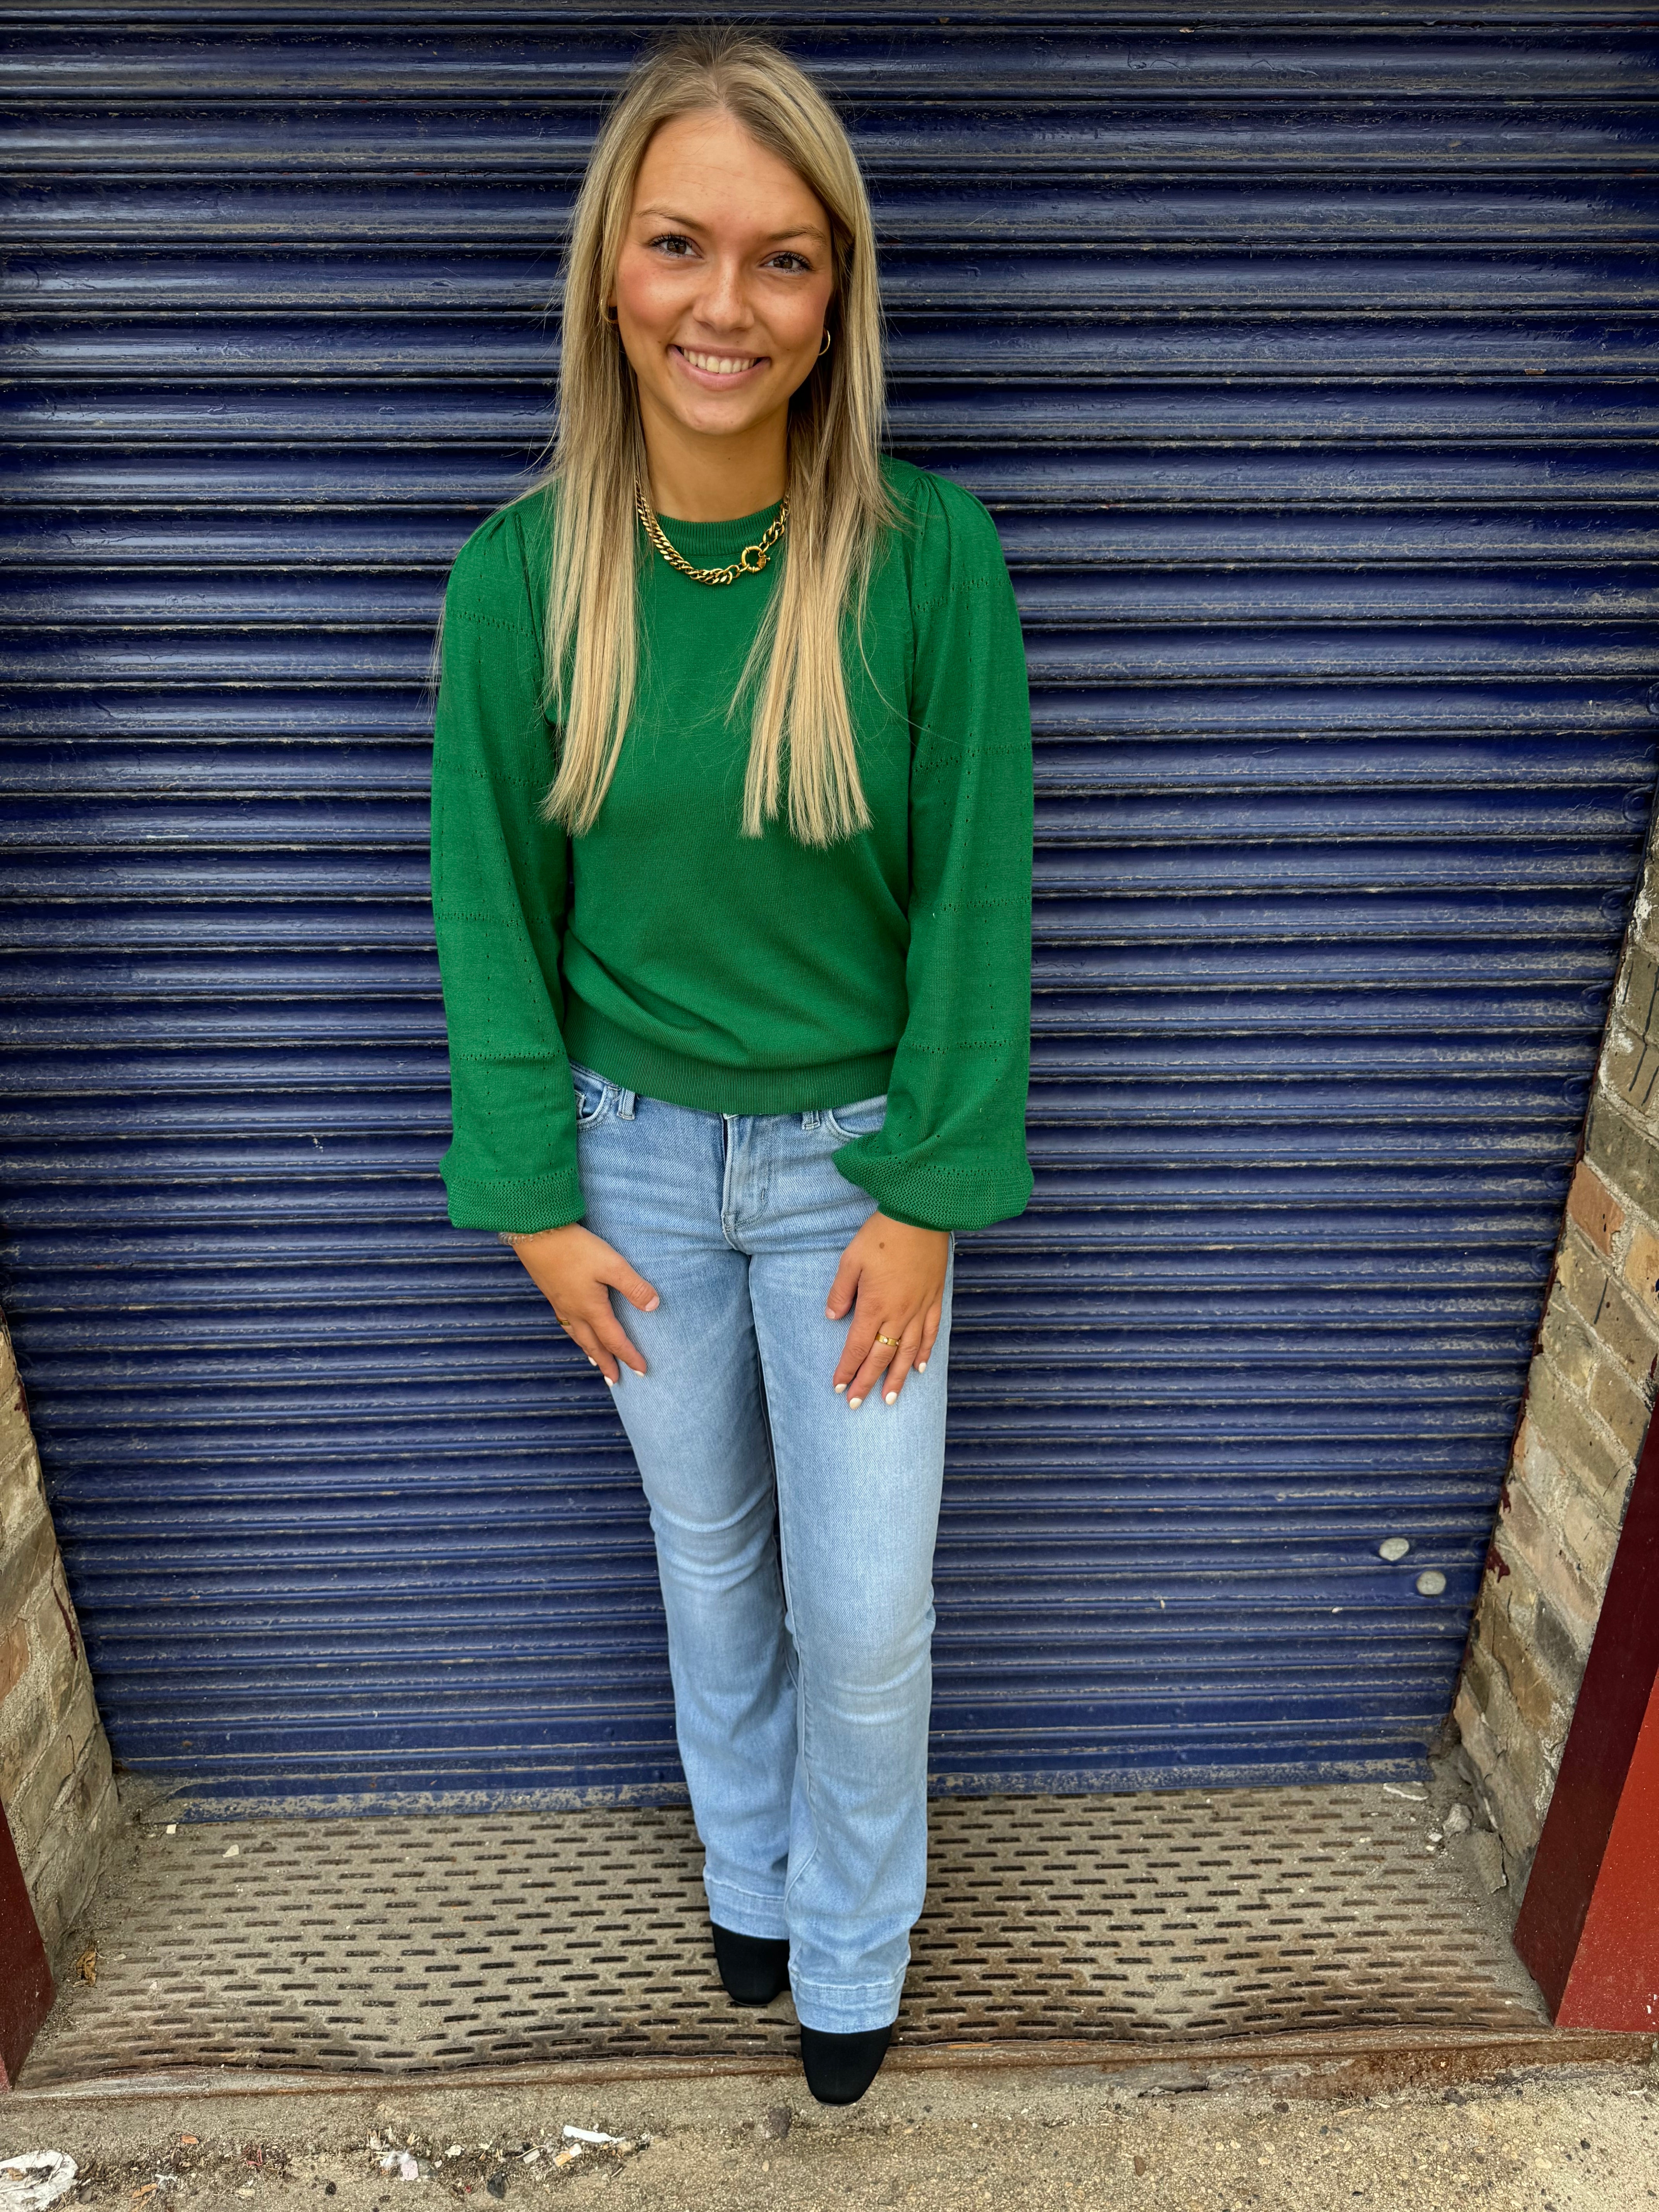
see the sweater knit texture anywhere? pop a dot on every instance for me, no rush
(685, 962)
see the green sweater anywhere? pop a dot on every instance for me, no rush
(688, 963)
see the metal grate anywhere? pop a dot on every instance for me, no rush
(402, 1944)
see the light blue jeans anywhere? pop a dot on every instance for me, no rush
(794, 1534)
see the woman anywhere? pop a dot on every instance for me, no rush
(731, 824)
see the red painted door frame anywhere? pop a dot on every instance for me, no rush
(26, 1987)
(1589, 1926)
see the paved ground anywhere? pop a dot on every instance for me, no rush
(1266, 2000)
(940, 2139)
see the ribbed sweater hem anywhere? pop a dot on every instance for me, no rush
(594, 1041)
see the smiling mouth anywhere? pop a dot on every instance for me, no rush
(720, 364)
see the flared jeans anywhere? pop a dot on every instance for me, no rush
(794, 1534)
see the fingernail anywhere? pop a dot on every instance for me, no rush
(829, 1312)
(921, 1367)
(840, 1387)
(892, 1398)
(610, 1382)
(654, 1303)
(591, 1361)
(855, 1403)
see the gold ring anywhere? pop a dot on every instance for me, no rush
(880, 1339)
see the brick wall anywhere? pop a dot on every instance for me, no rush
(55, 1778)
(1588, 1393)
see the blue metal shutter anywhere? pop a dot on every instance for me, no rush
(1306, 363)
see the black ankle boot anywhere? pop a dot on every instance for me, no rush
(839, 2068)
(754, 1969)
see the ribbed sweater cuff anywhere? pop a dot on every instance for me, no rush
(932, 1197)
(522, 1205)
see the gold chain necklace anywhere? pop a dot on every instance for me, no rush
(750, 563)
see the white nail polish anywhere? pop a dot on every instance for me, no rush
(921, 1367)
(853, 1403)
(608, 1383)
(840, 1387)
(892, 1398)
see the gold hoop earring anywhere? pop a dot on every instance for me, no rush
(825, 348)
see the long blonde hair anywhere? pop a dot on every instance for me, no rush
(839, 505)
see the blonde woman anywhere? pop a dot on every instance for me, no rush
(731, 853)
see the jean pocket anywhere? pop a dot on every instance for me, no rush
(592, 1094)
(860, 1120)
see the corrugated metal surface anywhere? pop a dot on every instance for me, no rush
(1306, 360)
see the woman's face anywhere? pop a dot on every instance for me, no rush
(724, 280)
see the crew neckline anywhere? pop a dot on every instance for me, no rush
(722, 538)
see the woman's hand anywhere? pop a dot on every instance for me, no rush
(897, 1274)
(576, 1272)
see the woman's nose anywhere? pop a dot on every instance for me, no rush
(723, 302)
